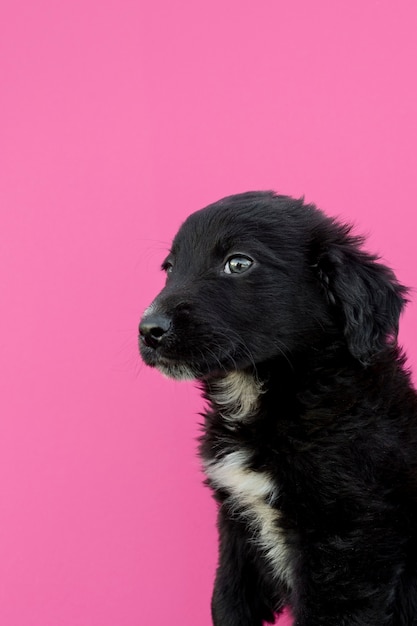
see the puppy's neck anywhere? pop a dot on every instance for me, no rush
(236, 396)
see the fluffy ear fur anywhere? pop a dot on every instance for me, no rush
(366, 296)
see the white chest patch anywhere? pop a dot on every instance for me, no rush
(237, 396)
(251, 495)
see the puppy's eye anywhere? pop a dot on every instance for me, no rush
(237, 264)
(167, 267)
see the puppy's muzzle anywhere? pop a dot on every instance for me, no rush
(153, 329)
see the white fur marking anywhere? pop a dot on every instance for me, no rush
(177, 371)
(252, 495)
(237, 395)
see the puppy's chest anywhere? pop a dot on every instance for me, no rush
(253, 496)
(250, 494)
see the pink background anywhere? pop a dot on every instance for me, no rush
(118, 118)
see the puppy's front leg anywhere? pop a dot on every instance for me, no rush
(239, 597)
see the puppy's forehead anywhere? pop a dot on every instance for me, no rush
(216, 230)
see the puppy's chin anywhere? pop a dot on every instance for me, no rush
(177, 371)
(168, 367)
(181, 370)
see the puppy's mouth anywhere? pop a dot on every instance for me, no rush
(190, 352)
(173, 366)
(180, 367)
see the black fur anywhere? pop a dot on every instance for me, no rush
(310, 403)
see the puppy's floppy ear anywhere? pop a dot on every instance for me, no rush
(365, 295)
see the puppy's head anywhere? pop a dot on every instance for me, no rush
(256, 277)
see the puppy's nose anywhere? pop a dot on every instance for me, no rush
(153, 328)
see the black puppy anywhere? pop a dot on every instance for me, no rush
(310, 437)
